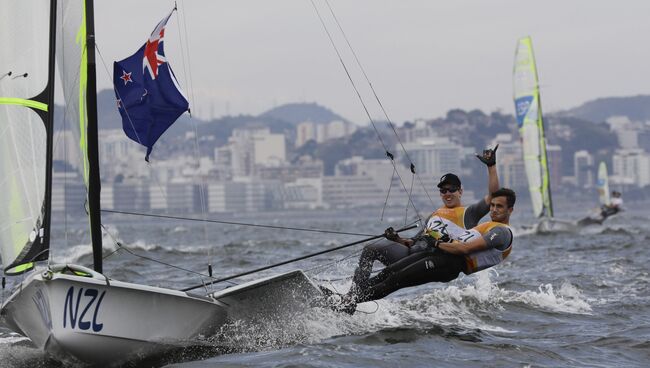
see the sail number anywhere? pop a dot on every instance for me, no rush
(81, 309)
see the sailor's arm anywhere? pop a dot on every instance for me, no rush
(489, 158)
(464, 248)
(493, 182)
(499, 237)
(391, 235)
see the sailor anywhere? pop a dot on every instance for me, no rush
(615, 205)
(450, 220)
(440, 259)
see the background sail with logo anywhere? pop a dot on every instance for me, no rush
(531, 127)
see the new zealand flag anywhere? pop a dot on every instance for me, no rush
(148, 95)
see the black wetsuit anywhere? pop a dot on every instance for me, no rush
(408, 266)
(417, 266)
(420, 265)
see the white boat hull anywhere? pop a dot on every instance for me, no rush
(109, 322)
(282, 294)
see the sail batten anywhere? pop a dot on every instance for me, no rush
(531, 127)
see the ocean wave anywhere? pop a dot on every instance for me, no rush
(484, 296)
(568, 299)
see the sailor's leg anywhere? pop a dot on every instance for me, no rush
(414, 270)
(386, 252)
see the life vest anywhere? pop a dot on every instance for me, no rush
(486, 258)
(446, 221)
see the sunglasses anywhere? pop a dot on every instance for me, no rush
(450, 190)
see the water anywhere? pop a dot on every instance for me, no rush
(566, 300)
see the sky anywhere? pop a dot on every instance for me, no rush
(423, 57)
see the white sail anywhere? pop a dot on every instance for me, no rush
(71, 62)
(531, 127)
(603, 184)
(24, 35)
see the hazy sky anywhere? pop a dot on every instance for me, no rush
(423, 57)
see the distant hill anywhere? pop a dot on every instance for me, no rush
(636, 108)
(299, 112)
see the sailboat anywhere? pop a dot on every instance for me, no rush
(70, 311)
(528, 109)
(606, 209)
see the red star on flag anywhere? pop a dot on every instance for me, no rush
(126, 77)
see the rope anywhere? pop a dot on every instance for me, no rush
(365, 108)
(390, 185)
(372, 88)
(297, 259)
(197, 154)
(235, 223)
(121, 247)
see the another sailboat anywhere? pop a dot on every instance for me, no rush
(603, 185)
(607, 209)
(71, 311)
(530, 121)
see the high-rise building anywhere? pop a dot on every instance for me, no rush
(434, 156)
(583, 169)
(305, 132)
(631, 166)
(241, 195)
(253, 147)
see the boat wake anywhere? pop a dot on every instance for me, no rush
(461, 311)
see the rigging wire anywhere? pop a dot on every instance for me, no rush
(189, 55)
(390, 185)
(372, 88)
(293, 260)
(149, 164)
(197, 152)
(372, 122)
(120, 246)
(235, 223)
(410, 193)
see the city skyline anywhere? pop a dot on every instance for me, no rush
(423, 58)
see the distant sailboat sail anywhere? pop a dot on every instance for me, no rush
(26, 95)
(531, 127)
(603, 184)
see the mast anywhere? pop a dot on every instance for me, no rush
(94, 184)
(542, 142)
(49, 127)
